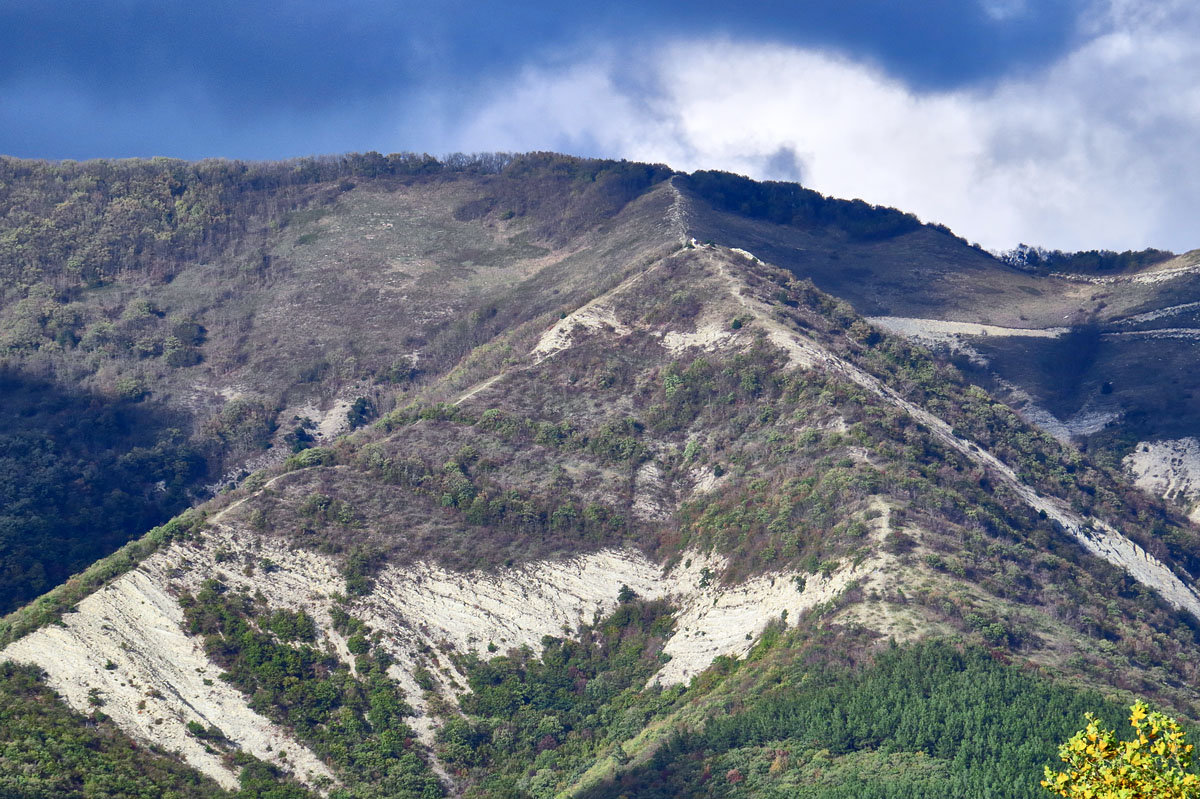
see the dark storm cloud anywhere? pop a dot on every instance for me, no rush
(1066, 123)
(272, 79)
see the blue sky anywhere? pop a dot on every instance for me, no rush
(1066, 123)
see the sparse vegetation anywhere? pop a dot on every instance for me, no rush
(47, 750)
(356, 723)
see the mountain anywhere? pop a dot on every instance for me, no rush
(1095, 347)
(167, 324)
(656, 502)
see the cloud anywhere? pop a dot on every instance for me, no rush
(1004, 10)
(1098, 150)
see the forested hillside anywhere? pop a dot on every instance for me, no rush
(139, 339)
(540, 477)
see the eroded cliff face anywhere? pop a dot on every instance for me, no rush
(126, 646)
(1169, 469)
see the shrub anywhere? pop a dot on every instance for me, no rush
(1155, 763)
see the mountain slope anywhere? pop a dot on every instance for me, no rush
(203, 320)
(696, 453)
(1093, 347)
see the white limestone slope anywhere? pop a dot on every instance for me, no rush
(717, 620)
(956, 337)
(1169, 469)
(160, 678)
(126, 647)
(595, 316)
(710, 335)
(937, 331)
(1087, 420)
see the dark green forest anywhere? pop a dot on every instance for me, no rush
(1043, 261)
(553, 714)
(354, 721)
(930, 721)
(80, 475)
(792, 204)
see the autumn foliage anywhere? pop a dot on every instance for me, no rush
(1155, 764)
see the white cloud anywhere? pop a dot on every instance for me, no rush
(1098, 150)
(1003, 10)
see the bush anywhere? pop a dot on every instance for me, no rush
(313, 456)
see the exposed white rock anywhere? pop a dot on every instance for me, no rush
(159, 680)
(1092, 417)
(1170, 469)
(704, 480)
(1087, 420)
(1095, 535)
(333, 422)
(651, 501)
(709, 336)
(327, 423)
(1037, 415)
(1159, 313)
(719, 620)
(1185, 333)
(593, 316)
(939, 332)
(507, 608)
(677, 214)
